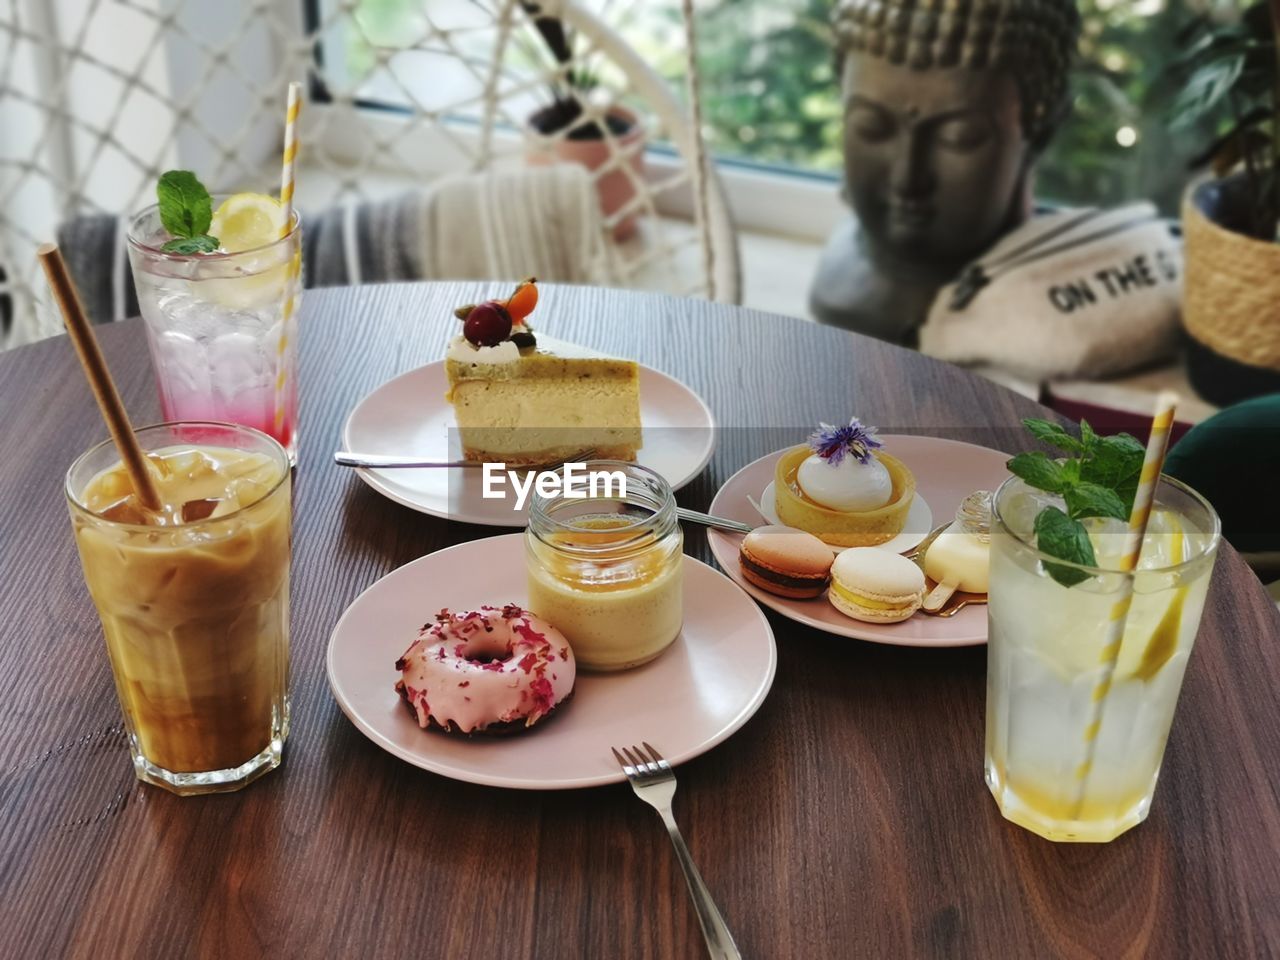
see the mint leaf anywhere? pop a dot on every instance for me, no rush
(186, 210)
(189, 245)
(1087, 499)
(1117, 464)
(1099, 481)
(1088, 439)
(1039, 471)
(1060, 536)
(1067, 576)
(1053, 434)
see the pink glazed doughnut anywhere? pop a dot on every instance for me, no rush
(494, 670)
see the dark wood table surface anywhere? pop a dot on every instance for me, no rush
(849, 818)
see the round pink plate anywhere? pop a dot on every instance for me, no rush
(409, 416)
(946, 472)
(692, 697)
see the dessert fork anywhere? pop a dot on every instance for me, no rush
(345, 458)
(654, 783)
(710, 520)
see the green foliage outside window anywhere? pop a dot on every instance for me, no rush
(771, 93)
(1120, 142)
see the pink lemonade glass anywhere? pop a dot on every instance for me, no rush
(222, 328)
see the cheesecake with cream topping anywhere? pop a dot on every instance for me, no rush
(522, 399)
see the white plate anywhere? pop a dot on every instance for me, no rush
(919, 522)
(409, 416)
(692, 697)
(946, 472)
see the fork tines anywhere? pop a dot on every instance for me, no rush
(653, 782)
(636, 763)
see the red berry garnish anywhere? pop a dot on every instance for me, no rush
(488, 324)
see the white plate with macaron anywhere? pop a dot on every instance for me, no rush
(946, 472)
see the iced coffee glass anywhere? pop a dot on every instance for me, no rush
(194, 600)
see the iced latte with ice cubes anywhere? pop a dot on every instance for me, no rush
(194, 599)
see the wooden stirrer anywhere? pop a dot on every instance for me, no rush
(95, 369)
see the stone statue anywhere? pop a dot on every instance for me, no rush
(947, 104)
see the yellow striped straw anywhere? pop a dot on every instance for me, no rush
(1143, 498)
(290, 152)
(295, 262)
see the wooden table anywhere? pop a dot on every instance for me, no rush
(849, 818)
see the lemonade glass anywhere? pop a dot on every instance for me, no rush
(222, 328)
(1048, 766)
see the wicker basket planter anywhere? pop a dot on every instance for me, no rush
(1231, 304)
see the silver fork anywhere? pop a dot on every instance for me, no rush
(370, 461)
(709, 520)
(654, 783)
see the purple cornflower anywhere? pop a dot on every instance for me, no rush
(832, 443)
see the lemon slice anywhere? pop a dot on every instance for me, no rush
(1161, 623)
(246, 221)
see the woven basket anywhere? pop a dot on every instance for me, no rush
(1231, 304)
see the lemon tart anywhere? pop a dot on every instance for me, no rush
(843, 488)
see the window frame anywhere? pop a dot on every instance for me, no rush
(763, 198)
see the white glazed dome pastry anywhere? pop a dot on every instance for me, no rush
(843, 474)
(849, 484)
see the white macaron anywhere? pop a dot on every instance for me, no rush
(875, 586)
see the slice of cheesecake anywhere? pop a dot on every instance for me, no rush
(539, 404)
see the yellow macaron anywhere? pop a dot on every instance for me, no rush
(875, 586)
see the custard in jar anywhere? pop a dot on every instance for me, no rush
(608, 569)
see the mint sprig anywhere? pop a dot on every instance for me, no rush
(190, 245)
(1070, 541)
(186, 211)
(1099, 480)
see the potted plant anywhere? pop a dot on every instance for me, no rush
(1229, 81)
(564, 135)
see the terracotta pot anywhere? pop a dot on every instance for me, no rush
(614, 188)
(1231, 306)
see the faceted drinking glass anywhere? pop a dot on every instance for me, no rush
(1073, 746)
(195, 615)
(222, 328)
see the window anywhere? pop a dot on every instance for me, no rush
(771, 96)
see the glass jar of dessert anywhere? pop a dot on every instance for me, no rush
(604, 553)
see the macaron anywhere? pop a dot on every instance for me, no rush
(786, 561)
(875, 586)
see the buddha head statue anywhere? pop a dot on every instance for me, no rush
(947, 104)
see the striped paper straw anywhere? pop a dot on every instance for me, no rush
(290, 152)
(295, 262)
(1143, 498)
